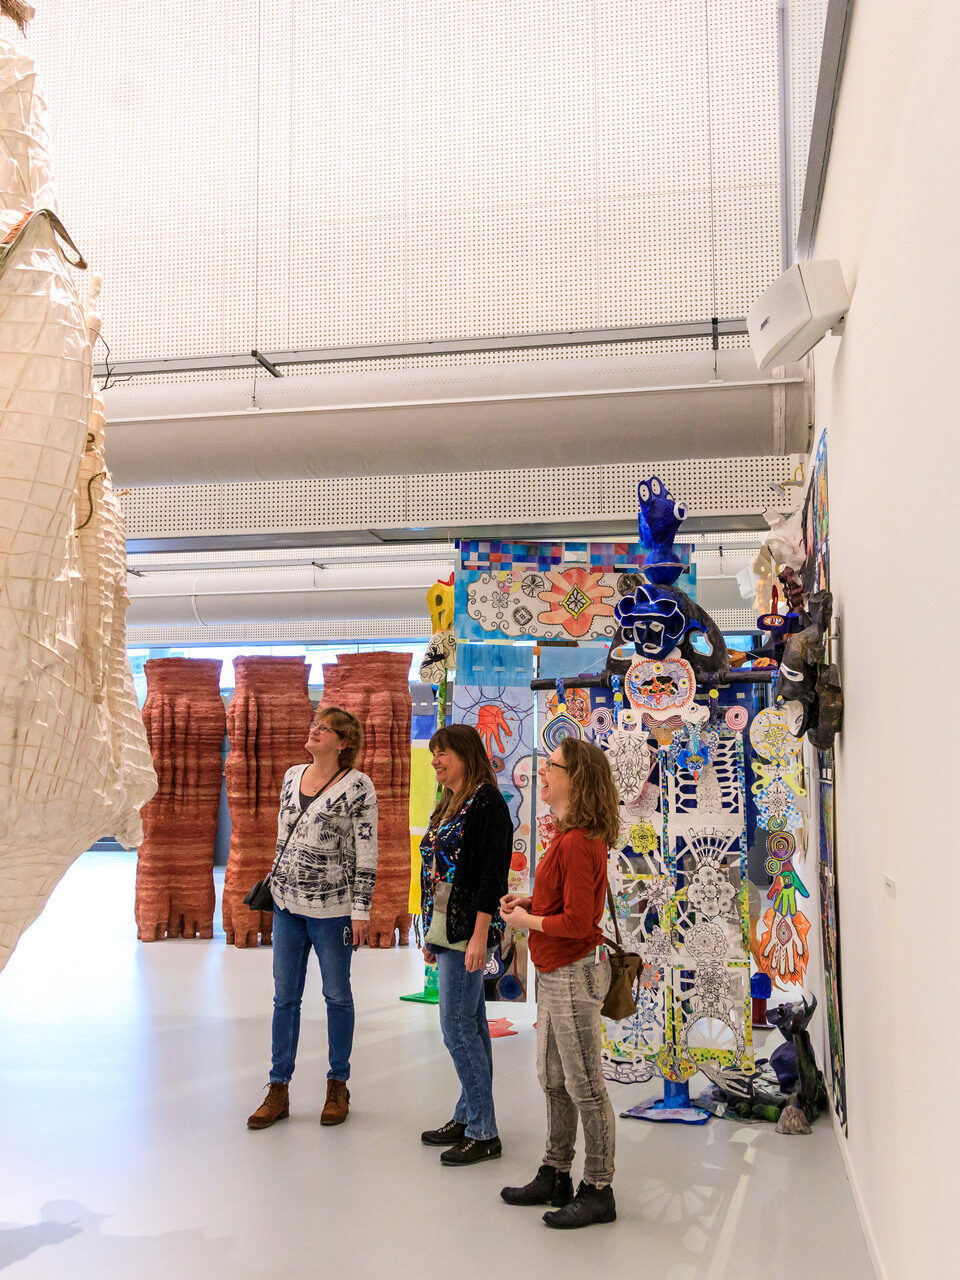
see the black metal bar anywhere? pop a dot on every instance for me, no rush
(603, 681)
(268, 365)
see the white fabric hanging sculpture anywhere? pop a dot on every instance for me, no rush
(74, 759)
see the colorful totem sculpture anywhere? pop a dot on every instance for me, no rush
(678, 871)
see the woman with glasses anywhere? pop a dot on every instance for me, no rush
(465, 864)
(563, 918)
(322, 883)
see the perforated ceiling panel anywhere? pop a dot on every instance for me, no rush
(154, 112)
(707, 486)
(745, 118)
(287, 173)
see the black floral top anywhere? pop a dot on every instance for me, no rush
(439, 850)
(471, 851)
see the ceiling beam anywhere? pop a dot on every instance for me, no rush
(836, 35)
(272, 361)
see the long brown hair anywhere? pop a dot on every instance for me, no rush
(594, 803)
(464, 741)
(21, 13)
(350, 731)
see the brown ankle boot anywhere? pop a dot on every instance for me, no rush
(275, 1106)
(337, 1104)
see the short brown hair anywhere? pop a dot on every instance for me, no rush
(350, 731)
(21, 13)
(464, 741)
(594, 803)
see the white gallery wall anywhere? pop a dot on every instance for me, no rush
(887, 395)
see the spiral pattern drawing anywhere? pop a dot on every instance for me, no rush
(559, 728)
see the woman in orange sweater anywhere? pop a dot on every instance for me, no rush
(563, 918)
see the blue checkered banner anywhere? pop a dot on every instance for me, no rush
(547, 590)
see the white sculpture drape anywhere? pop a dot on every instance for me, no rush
(74, 759)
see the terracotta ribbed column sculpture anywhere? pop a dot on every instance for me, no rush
(375, 687)
(267, 722)
(185, 723)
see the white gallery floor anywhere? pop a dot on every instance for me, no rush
(127, 1073)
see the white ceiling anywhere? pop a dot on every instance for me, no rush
(299, 175)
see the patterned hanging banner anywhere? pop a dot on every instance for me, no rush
(493, 694)
(780, 942)
(547, 590)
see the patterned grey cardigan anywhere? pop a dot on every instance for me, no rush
(329, 867)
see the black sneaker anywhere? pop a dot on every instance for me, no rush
(589, 1205)
(472, 1151)
(550, 1186)
(445, 1136)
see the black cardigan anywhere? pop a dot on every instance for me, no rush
(483, 863)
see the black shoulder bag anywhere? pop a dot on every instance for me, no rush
(260, 898)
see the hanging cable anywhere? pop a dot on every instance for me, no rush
(110, 379)
(256, 216)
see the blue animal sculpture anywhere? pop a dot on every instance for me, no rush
(660, 518)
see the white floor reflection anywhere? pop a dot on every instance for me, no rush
(127, 1072)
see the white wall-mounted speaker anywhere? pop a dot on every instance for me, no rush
(794, 313)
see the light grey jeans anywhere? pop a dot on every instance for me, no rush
(569, 1067)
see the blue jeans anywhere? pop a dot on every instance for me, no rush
(463, 1021)
(293, 936)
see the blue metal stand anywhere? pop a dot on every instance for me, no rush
(673, 1108)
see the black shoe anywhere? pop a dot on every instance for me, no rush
(445, 1136)
(472, 1151)
(590, 1204)
(550, 1186)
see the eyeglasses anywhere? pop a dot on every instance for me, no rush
(552, 764)
(325, 728)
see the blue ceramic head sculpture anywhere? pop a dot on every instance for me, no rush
(660, 518)
(653, 620)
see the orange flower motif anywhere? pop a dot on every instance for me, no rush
(576, 597)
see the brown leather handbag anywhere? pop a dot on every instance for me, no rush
(625, 968)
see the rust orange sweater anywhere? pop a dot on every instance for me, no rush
(569, 891)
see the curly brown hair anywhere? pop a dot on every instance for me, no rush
(350, 731)
(594, 804)
(21, 13)
(464, 741)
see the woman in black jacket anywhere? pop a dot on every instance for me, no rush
(465, 862)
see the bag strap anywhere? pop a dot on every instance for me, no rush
(613, 917)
